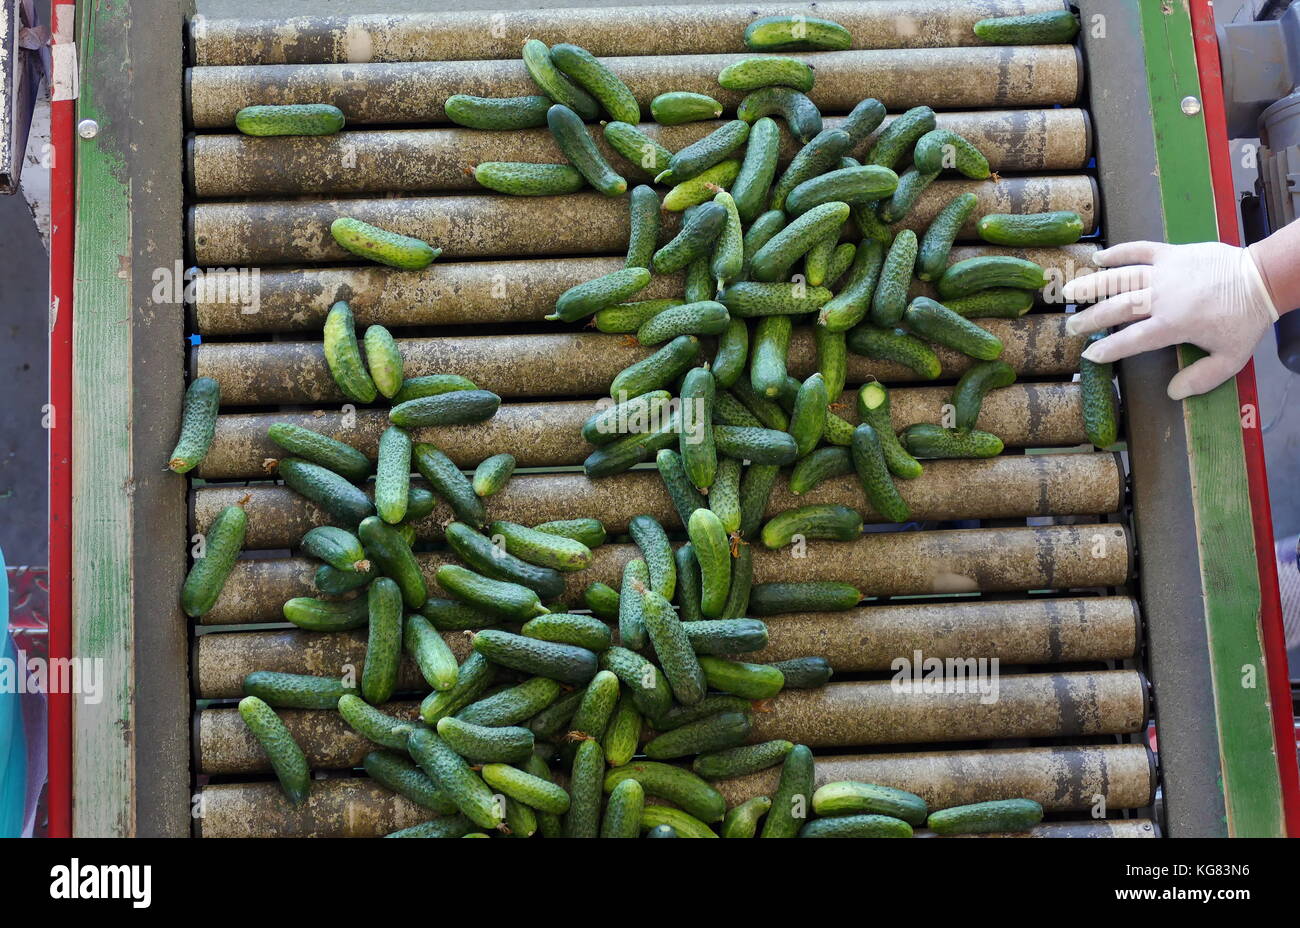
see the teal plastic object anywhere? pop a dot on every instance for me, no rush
(13, 743)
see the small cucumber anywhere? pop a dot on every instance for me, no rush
(393, 476)
(714, 733)
(848, 797)
(742, 821)
(704, 153)
(585, 781)
(742, 581)
(626, 318)
(704, 318)
(758, 234)
(430, 652)
(325, 615)
(550, 824)
(944, 150)
(222, 543)
(700, 229)
(809, 596)
(873, 474)
(521, 820)
(384, 360)
(932, 256)
(449, 483)
(726, 636)
(637, 147)
(848, 307)
(497, 112)
(390, 552)
(336, 547)
(873, 409)
(570, 134)
(643, 237)
(767, 366)
(431, 385)
(632, 449)
(759, 446)
(699, 457)
(926, 442)
(941, 325)
(860, 184)
(890, 298)
(382, 246)
(451, 826)
(767, 71)
(988, 271)
(590, 532)
(996, 303)
(758, 169)
(1051, 27)
(821, 520)
(979, 379)
(676, 784)
(492, 474)
(512, 705)
(867, 218)
(707, 707)
(542, 548)
(623, 733)
(623, 810)
(724, 495)
(507, 600)
(713, 553)
(857, 826)
(481, 744)
(673, 109)
(537, 59)
(894, 345)
(729, 250)
(686, 499)
(841, 260)
(749, 681)
(820, 465)
(796, 32)
(1027, 230)
(703, 188)
(198, 424)
(420, 504)
(460, 407)
(525, 787)
(800, 114)
(342, 500)
(986, 817)
(488, 558)
(395, 772)
(808, 418)
(552, 721)
(657, 552)
(295, 690)
(733, 352)
(773, 261)
(586, 71)
(644, 681)
(522, 179)
(602, 600)
(473, 677)
(632, 417)
(822, 153)
(688, 582)
(291, 119)
(899, 137)
(863, 120)
(667, 822)
(384, 643)
(755, 490)
(749, 299)
(832, 360)
(581, 300)
(286, 757)
(454, 776)
(728, 410)
(741, 761)
(585, 631)
(699, 284)
(792, 801)
(817, 259)
(449, 615)
(1100, 405)
(563, 662)
(320, 449)
(333, 582)
(343, 356)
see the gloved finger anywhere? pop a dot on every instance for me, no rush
(1118, 310)
(1147, 335)
(1092, 287)
(1204, 375)
(1128, 253)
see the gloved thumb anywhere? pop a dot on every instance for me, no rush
(1204, 375)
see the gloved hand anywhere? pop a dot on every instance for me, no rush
(1208, 294)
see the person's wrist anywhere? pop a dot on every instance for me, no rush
(1259, 254)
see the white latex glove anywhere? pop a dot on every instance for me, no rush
(1208, 294)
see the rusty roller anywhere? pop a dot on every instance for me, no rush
(438, 160)
(243, 234)
(475, 292)
(414, 92)
(335, 808)
(1004, 487)
(1092, 828)
(1035, 705)
(1036, 415)
(578, 363)
(991, 560)
(649, 30)
(1061, 779)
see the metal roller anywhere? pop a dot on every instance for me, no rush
(479, 292)
(335, 808)
(1061, 779)
(437, 160)
(1036, 705)
(1093, 828)
(1017, 631)
(636, 30)
(414, 92)
(243, 234)
(578, 363)
(990, 560)
(1004, 487)
(1035, 415)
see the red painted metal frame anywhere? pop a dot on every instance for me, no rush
(1270, 606)
(62, 213)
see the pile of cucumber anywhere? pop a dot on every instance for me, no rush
(576, 724)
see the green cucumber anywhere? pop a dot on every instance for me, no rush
(900, 136)
(393, 476)
(552, 721)
(704, 153)
(676, 784)
(384, 642)
(343, 356)
(522, 179)
(602, 600)
(287, 759)
(979, 379)
(819, 465)
(728, 410)
(742, 820)
(848, 307)
(867, 218)
(570, 134)
(699, 457)
(894, 345)
(1027, 230)
(817, 259)
(395, 772)
(222, 543)
(840, 261)
(537, 59)
(724, 495)
(713, 552)
(473, 677)
(808, 596)
(657, 552)
(667, 822)
(726, 636)
(686, 499)
(792, 801)
(873, 474)
(767, 71)
(295, 690)
(420, 504)
(941, 325)
(643, 237)
(673, 109)
(702, 188)
(749, 299)
(995, 303)
(707, 707)
(773, 261)
(989, 271)
(626, 318)
(890, 298)
(741, 761)
(482, 744)
(755, 490)
(585, 631)
(449, 615)
(808, 418)
(986, 817)
(290, 119)
(945, 150)
(796, 32)
(757, 170)
(382, 246)
(449, 483)
(383, 360)
(512, 705)
(637, 147)
(714, 733)
(544, 549)
(758, 234)
(390, 552)
(767, 366)
(853, 185)
(589, 532)
(749, 681)
(759, 446)
(822, 153)
(563, 662)
(585, 781)
(336, 547)
(704, 318)
(700, 229)
(320, 449)
(326, 615)
(333, 582)
(461, 407)
(507, 600)
(581, 300)
(1051, 27)
(586, 71)
(857, 826)
(820, 520)
(623, 733)
(657, 370)
(1100, 405)
(631, 624)
(623, 810)
(688, 582)
(198, 424)
(599, 701)
(521, 820)
(873, 409)
(733, 351)
(729, 251)
(528, 788)
(454, 776)
(863, 120)
(492, 474)
(800, 114)
(497, 112)
(644, 681)
(742, 581)
(932, 256)
(431, 385)
(631, 450)
(549, 823)
(805, 673)
(673, 648)
(632, 417)
(699, 284)
(848, 797)
(430, 652)
(451, 826)
(926, 442)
